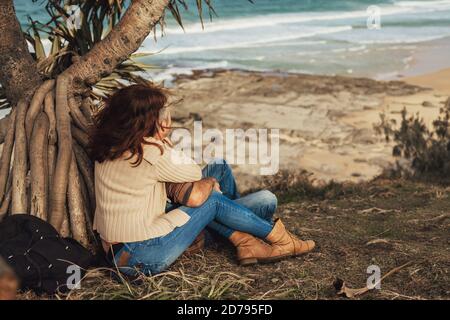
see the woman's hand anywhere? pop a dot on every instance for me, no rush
(216, 186)
(202, 190)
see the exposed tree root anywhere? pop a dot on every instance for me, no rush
(65, 226)
(77, 115)
(87, 172)
(36, 105)
(4, 127)
(5, 161)
(20, 168)
(6, 200)
(77, 206)
(39, 167)
(86, 109)
(49, 109)
(50, 175)
(89, 213)
(81, 137)
(60, 180)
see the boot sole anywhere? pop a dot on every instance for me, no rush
(248, 262)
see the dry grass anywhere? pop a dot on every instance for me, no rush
(165, 286)
(383, 222)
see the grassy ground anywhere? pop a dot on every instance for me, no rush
(384, 222)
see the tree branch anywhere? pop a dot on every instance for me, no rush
(126, 37)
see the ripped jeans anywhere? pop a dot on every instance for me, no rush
(223, 212)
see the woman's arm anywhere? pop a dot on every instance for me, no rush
(172, 165)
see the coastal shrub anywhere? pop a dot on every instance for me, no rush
(427, 150)
(297, 185)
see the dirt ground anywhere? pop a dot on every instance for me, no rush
(384, 222)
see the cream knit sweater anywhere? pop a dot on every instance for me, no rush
(131, 201)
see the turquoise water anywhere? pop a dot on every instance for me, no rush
(313, 36)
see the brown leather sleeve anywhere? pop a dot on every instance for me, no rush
(179, 192)
(191, 194)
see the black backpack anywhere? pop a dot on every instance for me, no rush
(43, 260)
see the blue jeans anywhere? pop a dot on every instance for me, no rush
(223, 213)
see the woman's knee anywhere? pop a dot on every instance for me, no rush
(214, 198)
(267, 198)
(268, 203)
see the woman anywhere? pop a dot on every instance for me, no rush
(133, 163)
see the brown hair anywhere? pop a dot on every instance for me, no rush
(128, 116)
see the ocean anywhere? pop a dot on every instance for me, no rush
(304, 36)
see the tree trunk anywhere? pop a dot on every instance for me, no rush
(18, 71)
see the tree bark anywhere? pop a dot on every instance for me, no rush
(81, 137)
(65, 227)
(20, 166)
(4, 125)
(19, 75)
(60, 180)
(86, 169)
(39, 167)
(36, 105)
(86, 105)
(77, 115)
(6, 200)
(5, 161)
(77, 206)
(49, 109)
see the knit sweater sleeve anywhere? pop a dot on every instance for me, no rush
(173, 165)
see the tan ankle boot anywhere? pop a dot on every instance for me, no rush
(250, 250)
(285, 244)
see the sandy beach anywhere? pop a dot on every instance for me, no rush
(438, 81)
(326, 122)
